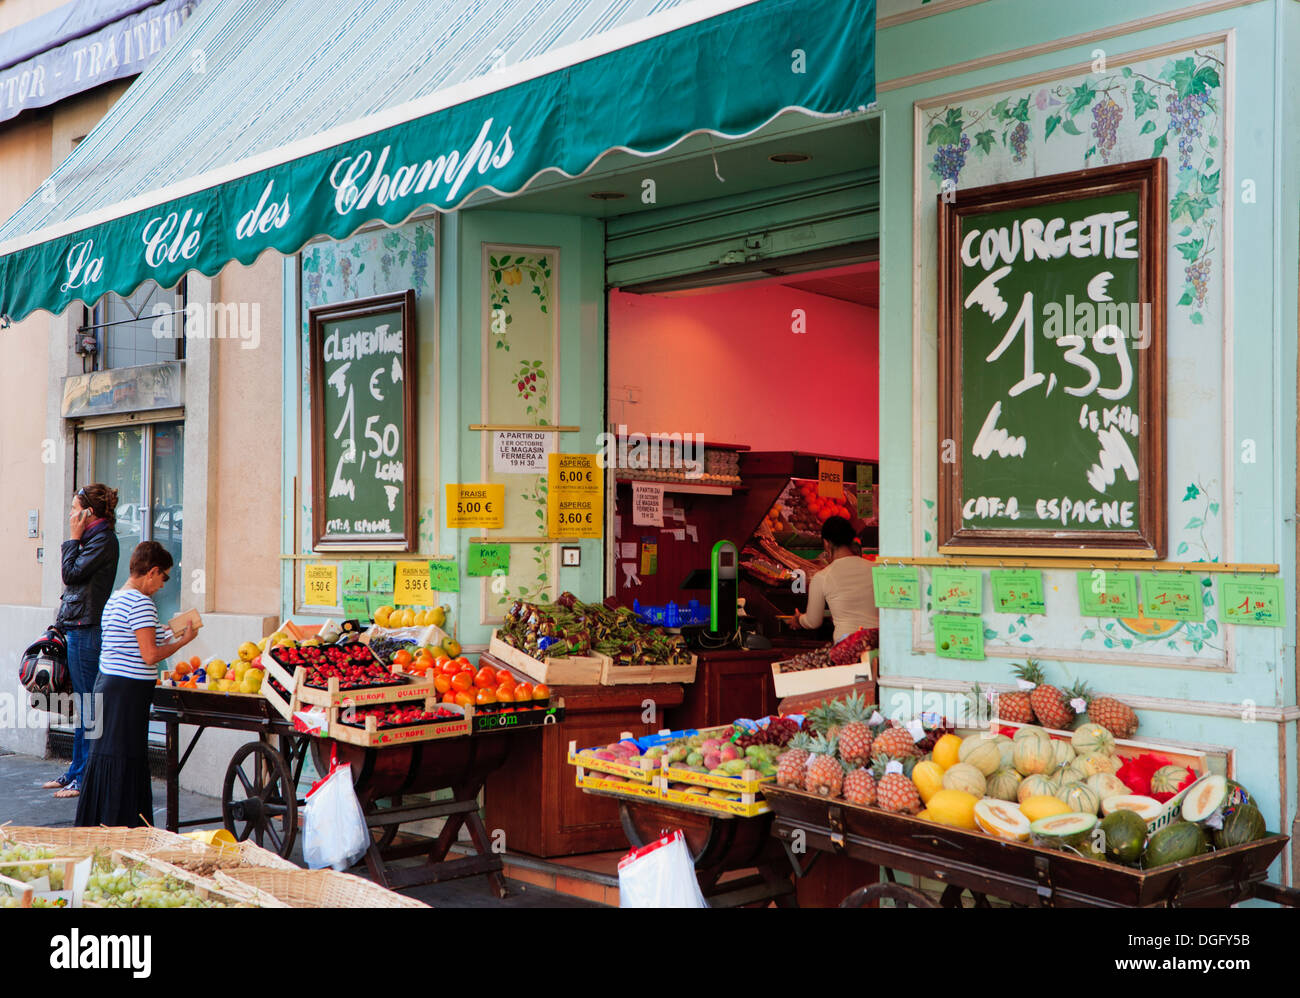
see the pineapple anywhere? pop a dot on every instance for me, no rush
(860, 786)
(1116, 717)
(894, 741)
(1048, 703)
(895, 791)
(855, 736)
(825, 773)
(790, 765)
(1014, 706)
(824, 719)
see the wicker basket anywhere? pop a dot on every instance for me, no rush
(231, 893)
(317, 888)
(88, 840)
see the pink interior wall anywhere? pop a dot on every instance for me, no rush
(727, 364)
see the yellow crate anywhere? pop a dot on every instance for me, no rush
(749, 806)
(590, 781)
(644, 773)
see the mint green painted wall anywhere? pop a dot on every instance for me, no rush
(1261, 279)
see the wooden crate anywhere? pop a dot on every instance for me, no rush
(304, 697)
(602, 783)
(750, 804)
(751, 782)
(644, 772)
(634, 675)
(789, 684)
(574, 671)
(373, 736)
(16, 888)
(1127, 748)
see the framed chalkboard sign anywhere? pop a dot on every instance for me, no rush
(1052, 364)
(363, 385)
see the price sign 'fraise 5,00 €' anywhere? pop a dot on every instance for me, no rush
(480, 505)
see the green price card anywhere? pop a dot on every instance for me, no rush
(1171, 596)
(354, 576)
(866, 504)
(958, 636)
(356, 606)
(1107, 594)
(484, 559)
(375, 600)
(897, 587)
(1257, 602)
(381, 576)
(958, 590)
(1017, 590)
(444, 576)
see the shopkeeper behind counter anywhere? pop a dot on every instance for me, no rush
(844, 584)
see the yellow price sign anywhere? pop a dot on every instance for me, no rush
(575, 502)
(411, 584)
(476, 505)
(575, 473)
(320, 585)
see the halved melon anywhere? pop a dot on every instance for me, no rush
(1001, 819)
(1062, 829)
(1148, 808)
(1036, 808)
(1205, 799)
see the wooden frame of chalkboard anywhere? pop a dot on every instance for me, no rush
(321, 320)
(1134, 528)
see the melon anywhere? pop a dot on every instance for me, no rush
(1165, 780)
(1066, 829)
(1107, 785)
(1173, 843)
(1073, 773)
(1126, 834)
(946, 749)
(928, 777)
(1034, 755)
(1148, 808)
(1035, 808)
(953, 807)
(1099, 763)
(1244, 824)
(965, 777)
(1064, 751)
(1004, 784)
(1030, 731)
(1000, 819)
(1037, 785)
(923, 815)
(1080, 797)
(1006, 748)
(1206, 799)
(1090, 739)
(981, 752)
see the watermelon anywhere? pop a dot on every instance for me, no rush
(1126, 834)
(1174, 843)
(1066, 829)
(1244, 824)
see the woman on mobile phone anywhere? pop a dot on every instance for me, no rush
(117, 790)
(89, 565)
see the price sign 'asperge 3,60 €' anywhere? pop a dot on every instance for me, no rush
(575, 500)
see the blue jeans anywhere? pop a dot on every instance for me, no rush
(83, 665)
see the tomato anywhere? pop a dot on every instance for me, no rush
(505, 679)
(464, 667)
(485, 678)
(485, 696)
(402, 657)
(465, 699)
(442, 683)
(523, 691)
(440, 662)
(541, 692)
(448, 667)
(505, 694)
(462, 681)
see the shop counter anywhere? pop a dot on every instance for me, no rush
(731, 683)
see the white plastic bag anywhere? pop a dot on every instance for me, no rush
(334, 829)
(660, 875)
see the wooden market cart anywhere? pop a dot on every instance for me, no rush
(1019, 873)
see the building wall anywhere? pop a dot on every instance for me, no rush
(731, 366)
(1231, 367)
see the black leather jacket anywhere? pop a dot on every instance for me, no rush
(89, 568)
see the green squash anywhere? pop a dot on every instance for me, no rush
(1244, 824)
(1126, 834)
(1173, 843)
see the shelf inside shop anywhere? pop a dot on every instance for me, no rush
(671, 486)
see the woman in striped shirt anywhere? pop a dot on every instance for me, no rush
(117, 790)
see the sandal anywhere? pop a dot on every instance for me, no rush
(71, 790)
(58, 784)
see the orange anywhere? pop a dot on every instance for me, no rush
(183, 669)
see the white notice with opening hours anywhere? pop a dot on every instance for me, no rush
(521, 452)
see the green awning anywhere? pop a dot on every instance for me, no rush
(265, 125)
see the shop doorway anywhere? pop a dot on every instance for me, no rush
(735, 399)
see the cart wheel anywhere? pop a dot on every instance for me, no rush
(903, 897)
(264, 805)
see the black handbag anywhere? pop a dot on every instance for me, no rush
(43, 670)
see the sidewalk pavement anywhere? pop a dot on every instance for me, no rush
(23, 802)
